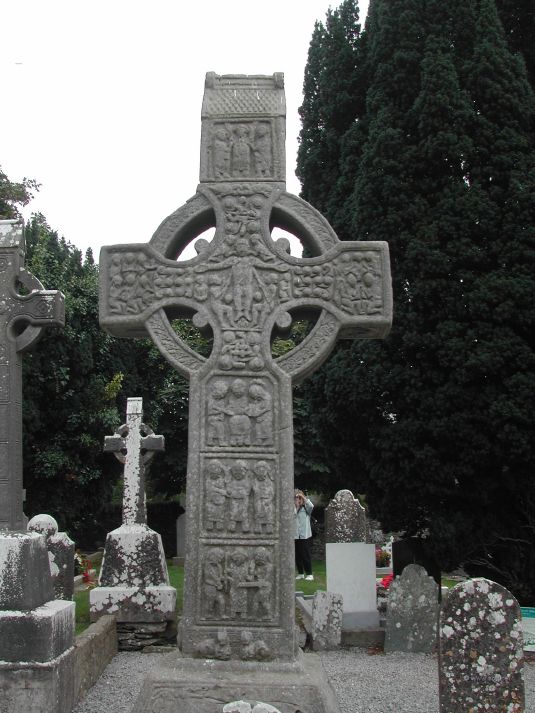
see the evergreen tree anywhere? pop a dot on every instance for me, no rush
(518, 19)
(433, 423)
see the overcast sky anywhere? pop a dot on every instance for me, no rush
(101, 101)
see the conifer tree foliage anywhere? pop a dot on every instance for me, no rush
(518, 19)
(433, 423)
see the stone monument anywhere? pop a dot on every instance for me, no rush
(244, 287)
(350, 562)
(36, 631)
(60, 554)
(412, 612)
(480, 650)
(134, 582)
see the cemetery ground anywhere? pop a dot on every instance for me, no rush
(365, 681)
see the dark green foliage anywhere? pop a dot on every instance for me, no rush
(14, 196)
(518, 19)
(76, 383)
(433, 423)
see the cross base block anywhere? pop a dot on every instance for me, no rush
(205, 685)
(134, 604)
(35, 686)
(41, 634)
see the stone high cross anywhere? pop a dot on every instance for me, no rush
(244, 286)
(134, 444)
(25, 308)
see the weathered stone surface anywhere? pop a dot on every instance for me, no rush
(134, 444)
(60, 554)
(41, 634)
(22, 319)
(345, 519)
(134, 582)
(481, 654)
(351, 572)
(327, 609)
(412, 612)
(94, 648)
(134, 604)
(244, 286)
(25, 581)
(249, 707)
(179, 558)
(183, 685)
(41, 687)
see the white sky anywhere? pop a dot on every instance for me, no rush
(101, 100)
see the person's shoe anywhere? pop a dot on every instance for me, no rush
(300, 576)
(309, 577)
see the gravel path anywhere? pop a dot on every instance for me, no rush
(384, 683)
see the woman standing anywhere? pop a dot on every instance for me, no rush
(303, 535)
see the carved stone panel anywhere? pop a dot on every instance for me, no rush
(239, 412)
(237, 583)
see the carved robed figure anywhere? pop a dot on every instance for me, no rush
(245, 287)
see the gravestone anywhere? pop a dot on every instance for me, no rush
(412, 612)
(481, 652)
(36, 631)
(60, 554)
(350, 562)
(327, 610)
(244, 287)
(133, 582)
(345, 519)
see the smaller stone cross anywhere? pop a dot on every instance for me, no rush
(134, 444)
(25, 308)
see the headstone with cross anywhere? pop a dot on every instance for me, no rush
(134, 582)
(134, 445)
(245, 287)
(25, 308)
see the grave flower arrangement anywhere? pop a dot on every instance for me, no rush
(83, 566)
(382, 557)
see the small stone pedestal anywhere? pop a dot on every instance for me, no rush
(36, 631)
(134, 586)
(183, 685)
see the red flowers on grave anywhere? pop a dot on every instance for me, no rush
(387, 581)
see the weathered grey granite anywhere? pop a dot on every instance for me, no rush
(327, 611)
(481, 651)
(36, 631)
(22, 318)
(94, 648)
(243, 287)
(60, 554)
(246, 707)
(345, 519)
(134, 582)
(412, 612)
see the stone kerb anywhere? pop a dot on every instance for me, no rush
(412, 612)
(481, 650)
(327, 613)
